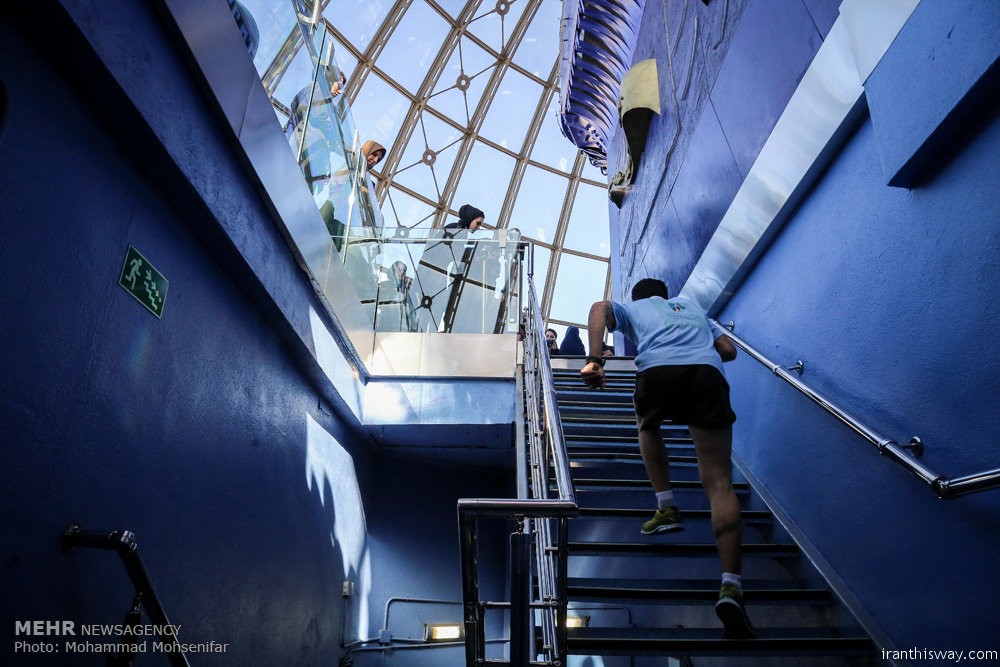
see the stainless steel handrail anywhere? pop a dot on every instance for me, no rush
(944, 487)
(538, 510)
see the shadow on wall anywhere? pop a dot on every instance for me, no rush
(330, 471)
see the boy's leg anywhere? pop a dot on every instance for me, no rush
(667, 518)
(714, 447)
(654, 457)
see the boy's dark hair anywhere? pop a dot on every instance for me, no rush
(554, 332)
(648, 287)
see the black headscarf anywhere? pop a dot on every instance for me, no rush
(467, 214)
(572, 345)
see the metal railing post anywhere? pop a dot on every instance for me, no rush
(470, 589)
(520, 598)
(539, 511)
(562, 614)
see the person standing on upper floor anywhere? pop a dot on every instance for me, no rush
(373, 151)
(469, 217)
(681, 380)
(551, 344)
(572, 345)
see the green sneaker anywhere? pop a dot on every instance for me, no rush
(733, 614)
(667, 521)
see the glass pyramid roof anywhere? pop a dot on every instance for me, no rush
(464, 96)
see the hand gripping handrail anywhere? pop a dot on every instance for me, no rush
(534, 508)
(945, 487)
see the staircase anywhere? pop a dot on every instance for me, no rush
(646, 596)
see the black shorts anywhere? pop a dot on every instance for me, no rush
(691, 395)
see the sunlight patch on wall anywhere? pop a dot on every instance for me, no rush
(329, 464)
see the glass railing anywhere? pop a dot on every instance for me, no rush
(444, 282)
(419, 281)
(328, 147)
(300, 56)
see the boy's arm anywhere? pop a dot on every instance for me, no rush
(601, 318)
(725, 347)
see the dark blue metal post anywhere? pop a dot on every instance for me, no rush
(520, 599)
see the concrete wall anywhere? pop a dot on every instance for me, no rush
(886, 294)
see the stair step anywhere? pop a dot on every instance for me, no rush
(739, 487)
(601, 420)
(626, 451)
(593, 409)
(577, 389)
(602, 443)
(585, 403)
(627, 427)
(687, 591)
(575, 373)
(708, 641)
(612, 455)
(654, 548)
(592, 396)
(622, 439)
(626, 388)
(645, 513)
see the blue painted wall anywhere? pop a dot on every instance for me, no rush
(211, 433)
(730, 70)
(887, 295)
(413, 535)
(193, 430)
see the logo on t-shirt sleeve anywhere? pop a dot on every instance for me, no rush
(676, 307)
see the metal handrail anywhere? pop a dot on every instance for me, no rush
(123, 543)
(550, 555)
(945, 487)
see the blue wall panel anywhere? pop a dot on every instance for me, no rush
(824, 13)
(696, 37)
(774, 44)
(937, 82)
(415, 554)
(668, 255)
(706, 184)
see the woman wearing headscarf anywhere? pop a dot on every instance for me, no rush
(373, 152)
(469, 217)
(571, 344)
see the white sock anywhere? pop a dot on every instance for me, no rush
(664, 499)
(734, 579)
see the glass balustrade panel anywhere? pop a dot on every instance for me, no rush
(407, 280)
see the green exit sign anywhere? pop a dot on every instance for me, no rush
(141, 279)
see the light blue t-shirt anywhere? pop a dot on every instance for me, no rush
(672, 332)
